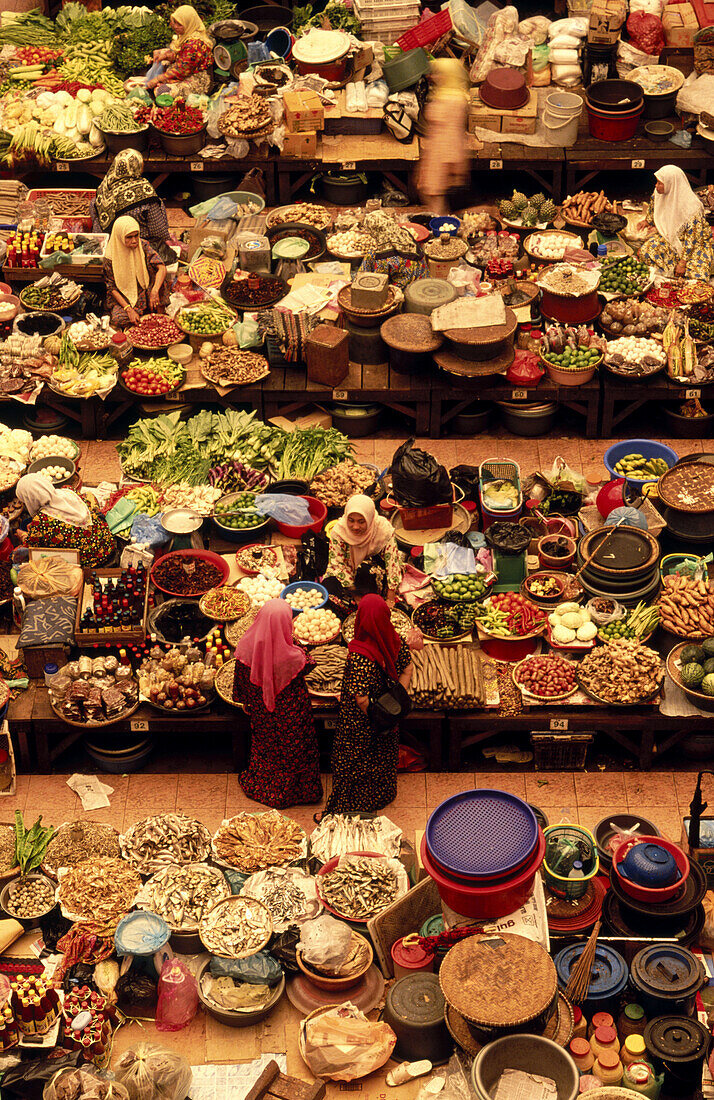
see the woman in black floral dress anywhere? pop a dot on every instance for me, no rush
(364, 761)
(284, 768)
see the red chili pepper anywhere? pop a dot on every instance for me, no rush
(177, 119)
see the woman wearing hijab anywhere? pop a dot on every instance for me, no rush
(364, 760)
(364, 556)
(134, 273)
(681, 243)
(284, 768)
(444, 160)
(190, 55)
(125, 191)
(62, 518)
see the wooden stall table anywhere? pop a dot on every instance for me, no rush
(545, 165)
(349, 152)
(451, 397)
(621, 397)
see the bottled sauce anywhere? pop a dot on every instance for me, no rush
(599, 1019)
(608, 1067)
(633, 1050)
(577, 870)
(640, 1078)
(582, 1054)
(580, 1024)
(631, 1021)
(604, 1039)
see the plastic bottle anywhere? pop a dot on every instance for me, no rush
(18, 605)
(577, 870)
(604, 1039)
(582, 1054)
(599, 1019)
(608, 1068)
(631, 1021)
(633, 1050)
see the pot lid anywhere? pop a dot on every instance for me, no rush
(609, 973)
(416, 999)
(628, 548)
(498, 981)
(677, 1039)
(667, 970)
(319, 47)
(429, 292)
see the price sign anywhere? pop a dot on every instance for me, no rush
(339, 395)
(330, 723)
(559, 725)
(139, 725)
(519, 395)
(173, 395)
(61, 166)
(638, 164)
(349, 164)
(197, 165)
(495, 165)
(692, 393)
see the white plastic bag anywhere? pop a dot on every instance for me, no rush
(153, 1073)
(325, 942)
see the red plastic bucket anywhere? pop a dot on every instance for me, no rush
(613, 126)
(486, 901)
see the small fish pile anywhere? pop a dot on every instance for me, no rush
(251, 842)
(338, 834)
(99, 890)
(166, 838)
(79, 840)
(183, 895)
(236, 928)
(288, 892)
(359, 887)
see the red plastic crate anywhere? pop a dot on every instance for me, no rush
(422, 519)
(427, 31)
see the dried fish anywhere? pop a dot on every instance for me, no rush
(98, 890)
(166, 838)
(289, 893)
(359, 887)
(338, 834)
(251, 842)
(76, 841)
(182, 895)
(237, 927)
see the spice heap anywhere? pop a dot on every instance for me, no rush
(303, 213)
(685, 606)
(165, 838)
(335, 486)
(178, 118)
(182, 896)
(622, 672)
(188, 575)
(251, 842)
(98, 890)
(226, 366)
(79, 840)
(246, 117)
(154, 331)
(359, 887)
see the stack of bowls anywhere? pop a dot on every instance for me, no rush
(627, 567)
(483, 849)
(614, 109)
(650, 868)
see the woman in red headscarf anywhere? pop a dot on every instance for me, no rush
(284, 768)
(364, 760)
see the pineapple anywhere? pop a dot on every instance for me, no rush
(547, 211)
(519, 200)
(507, 210)
(530, 216)
(538, 200)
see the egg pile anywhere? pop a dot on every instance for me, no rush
(634, 348)
(47, 446)
(551, 246)
(56, 473)
(316, 627)
(303, 598)
(260, 588)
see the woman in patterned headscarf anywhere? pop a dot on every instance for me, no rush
(125, 191)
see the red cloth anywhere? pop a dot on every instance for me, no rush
(375, 637)
(269, 651)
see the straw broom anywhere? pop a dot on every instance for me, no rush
(580, 976)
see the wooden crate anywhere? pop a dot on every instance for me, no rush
(274, 1085)
(93, 637)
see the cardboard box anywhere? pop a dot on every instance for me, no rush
(303, 144)
(606, 21)
(303, 111)
(521, 121)
(680, 24)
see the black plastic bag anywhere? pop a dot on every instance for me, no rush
(27, 1080)
(312, 556)
(467, 479)
(418, 480)
(283, 946)
(260, 969)
(53, 927)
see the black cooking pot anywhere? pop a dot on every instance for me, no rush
(615, 95)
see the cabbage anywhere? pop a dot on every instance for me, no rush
(70, 117)
(95, 138)
(571, 619)
(587, 632)
(96, 108)
(84, 95)
(563, 636)
(554, 619)
(564, 608)
(84, 119)
(64, 98)
(59, 126)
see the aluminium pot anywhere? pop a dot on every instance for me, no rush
(136, 139)
(528, 419)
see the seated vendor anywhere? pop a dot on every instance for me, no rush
(189, 56)
(135, 275)
(363, 555)
(63, 519)
(125, 191)
(681, 243)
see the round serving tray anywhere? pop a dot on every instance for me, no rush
(156, 347)
(461, 521)
(451, 363)
(672, 496)
(230, 292)
(85, 725)
(223, 684)
(528, 691)
(275, 218)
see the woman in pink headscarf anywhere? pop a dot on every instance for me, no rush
(284, 768)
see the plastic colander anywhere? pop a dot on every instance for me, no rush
(482, 833)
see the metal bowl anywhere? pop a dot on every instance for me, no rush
(41, 464)
(6, 903)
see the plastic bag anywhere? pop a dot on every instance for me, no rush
(525, 370)
(282, 947)
(646, 32)
(325, 942)
(285, 508)
(49, 577)
(74, 1084)
(260, 969)
(28, 1079)
(152, 1073)
(447, 558)
(178, 996)
(342, 1044)
(418, 479)
(147, 531)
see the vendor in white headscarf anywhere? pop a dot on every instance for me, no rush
(62, 519)
(681, 242)
(364, 556)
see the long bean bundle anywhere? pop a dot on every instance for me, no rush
(447, 678)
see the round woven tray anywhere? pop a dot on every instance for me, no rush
(447, 360)
(575, 242)
(564, 907)
(223, 684)
(672, 497)
(485, 336)
(85, 725)
(411, 332)
(559, 1027)
(502, 981)
(345, 300)
(234, 631)
(230, 616)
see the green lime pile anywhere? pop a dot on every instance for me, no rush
(573, 358)
(460, 586)
(618, 629)
(238, 513)
(625, 276)
(637, 466)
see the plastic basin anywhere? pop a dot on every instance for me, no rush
(606, 126)
(529, 1053)
(318, 511)
(649, 448)
(313, 585)
(485, 901)
(648, 893)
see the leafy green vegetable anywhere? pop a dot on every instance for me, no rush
(309, 451)
(133, 46)
(30, 847)
(341, 17)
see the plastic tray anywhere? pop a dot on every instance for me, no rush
(482, 833)
(76, 222)
(79, 260)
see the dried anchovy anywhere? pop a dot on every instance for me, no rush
(236, 928)
(166, 838)
(7, 848)
(80, 840)
(183, 895)
(100, 890)
(252, 842)
(359, 887)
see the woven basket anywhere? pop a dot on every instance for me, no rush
(560, 884)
